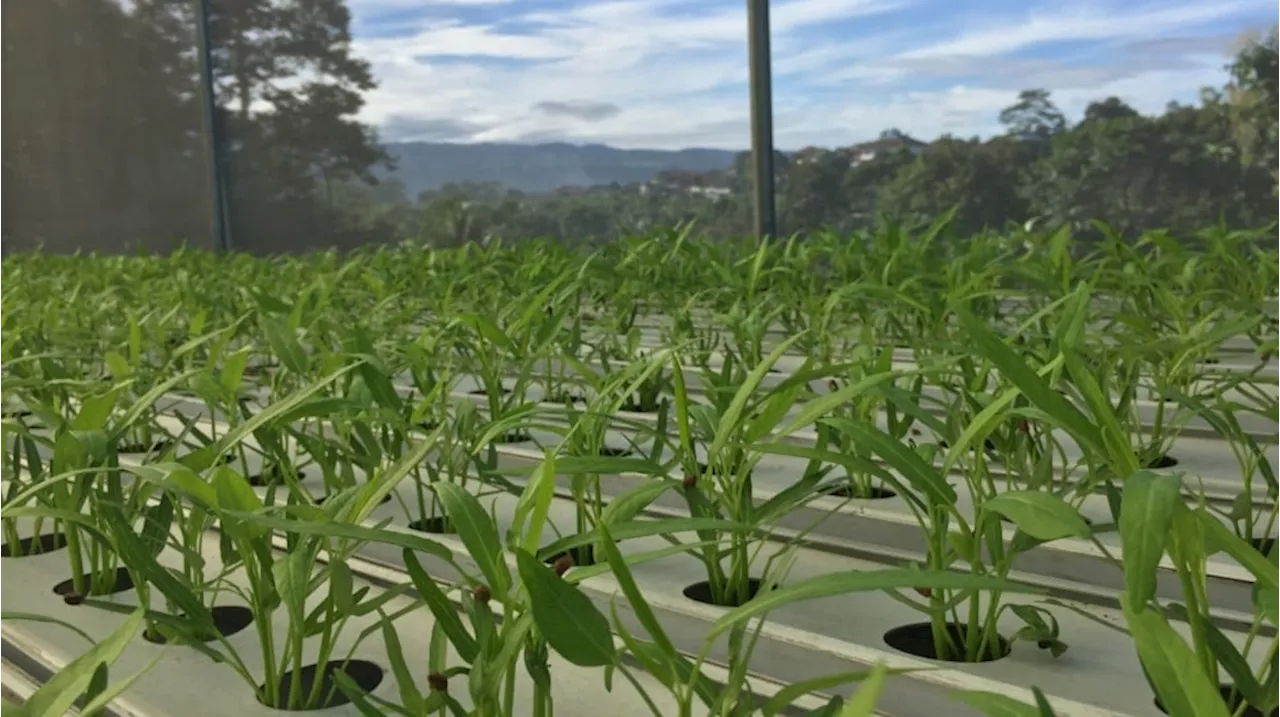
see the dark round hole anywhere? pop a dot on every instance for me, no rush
(701, 592)
(611, 452)
(437, 524)
(915, 431)
(917, 639)
(986, 444)
(366, 675)
(227, 621)
(1212, 361)
(1263, 545)
(513, 437)
(35, 545)
(1165, 461)
(716, 470)
(117, 583)
(860, 492)
(271, 476)
(1233, 700)
(563, 397)
(159, 446)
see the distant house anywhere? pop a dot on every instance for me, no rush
(709, 184)
(890, 141)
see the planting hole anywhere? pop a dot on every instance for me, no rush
(227, 621)
(861, 492)
(1165, 461)
(139, 448)
(701, 592)
(513, 437)
(611, 452)
(270, 477)
(917, 639)
(437, 524)
(1263, 545)
(427, 425)
(118, 582)
(563, 398)
(485, 392)
(18, 413)
(366, 675)
(35, 545)
(1233, 700)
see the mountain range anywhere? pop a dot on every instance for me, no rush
(538, 168)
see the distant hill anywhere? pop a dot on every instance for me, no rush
(541, 167)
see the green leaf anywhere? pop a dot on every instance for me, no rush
(922, 476)
(783, 698)
(863, 704)
(1041, 515)
(284, 344)
(55, 697)
(996, 705)
(1267, 602)
(567, 619)
(1171, 666)
(1146, 514)
(1218, 536)
(1235, 665)
(334, 529)
(341, 590)
(478, 533)
(1012, 368)
(445, 612)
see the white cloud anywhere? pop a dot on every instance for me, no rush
(669, 73)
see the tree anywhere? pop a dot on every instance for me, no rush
(1108, 109)
(979, 179)
(1254, 97)
(1033, 115)
(1178, 172)
(812, 193)
(288, 90)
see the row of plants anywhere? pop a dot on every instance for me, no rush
(332, 382)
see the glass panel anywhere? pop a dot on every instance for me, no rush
(104, 144)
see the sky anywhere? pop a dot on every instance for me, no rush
(668, 74)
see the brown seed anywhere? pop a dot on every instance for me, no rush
(481, 594)
(925, 592)
(438, 682)
(1025, 427)
(562, 564)
(690, 480)
(73, 599)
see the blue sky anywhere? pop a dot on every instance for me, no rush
(668, 73)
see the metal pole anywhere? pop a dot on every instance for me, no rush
(761, 117)
(221, 229)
